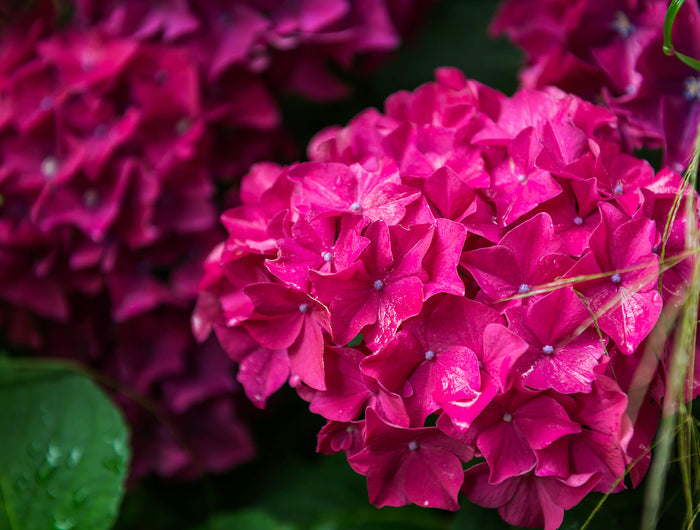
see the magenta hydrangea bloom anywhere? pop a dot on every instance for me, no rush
(119, 121)
(612, 51)
(487, 274)
(286, 45)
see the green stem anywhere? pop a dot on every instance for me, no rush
(675, 413)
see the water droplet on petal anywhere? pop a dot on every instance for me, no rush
(668, 50)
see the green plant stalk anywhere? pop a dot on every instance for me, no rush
(668, 30)
(675, 413)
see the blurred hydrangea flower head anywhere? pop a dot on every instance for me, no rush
(119, 121)
(612, 52)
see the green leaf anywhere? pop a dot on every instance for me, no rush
(356, 341)
(251, 519)
(63, 450)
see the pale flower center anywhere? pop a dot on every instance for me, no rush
(691, 88)
(623, 25)
(91, 198)
(49, 166)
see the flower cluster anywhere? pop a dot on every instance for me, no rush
(283, 45)
(612, 51)
(118, 123)
(465, 278)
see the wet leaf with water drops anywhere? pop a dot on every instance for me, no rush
(64, 464)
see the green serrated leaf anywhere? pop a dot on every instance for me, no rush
(63, 450)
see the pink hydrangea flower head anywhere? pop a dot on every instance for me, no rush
(434, 307)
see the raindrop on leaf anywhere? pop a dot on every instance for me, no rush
(34, 448)
(113, 464)
(74, 457)
(53, 455)
(62, 523)
(119, 446)
(22, 484)
(45, 471)
(80, 496)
